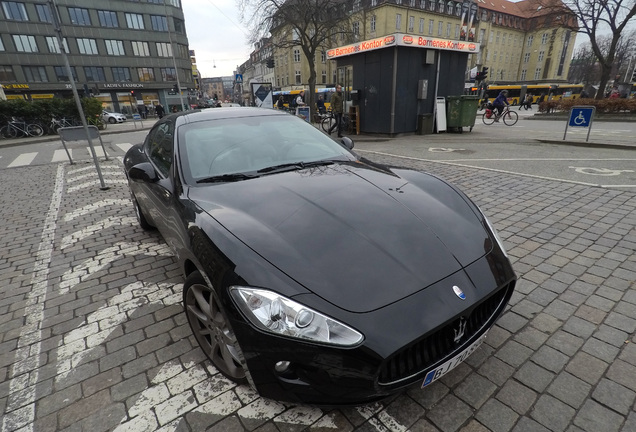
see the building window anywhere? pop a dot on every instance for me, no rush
(530, 39)
(421, 25)
(79, 16)
(54, 46)
(146, 74)
(6, 73)
(526, 57)
(440, 28)
(1, 45)
(61, 76)
(179, 26)
(497, 38)
(94, 73)
(44, 13)
(14, 11)
(431, 26)
(107, 18)
(482, 35)
(456, 31)
(374, 3)
(356, 28)
(458, 9)
(323, 56)
(523, 75)
(25, 43)
(537, 73)
(164, 49)
(541, 55)
(87, 46)
(121, 74)
(544, 38)
(159, 22)
(140, 49)
(296, 55)
(298, 78)
(398, 21)
(411, 23)
(484, 15)
(135, 21)
(35, 73)
(168, 74)
(450, 7)
(324, 77)
(115, 47)
(373, 24)
(440, 6)
(448, 30)
(503, 38)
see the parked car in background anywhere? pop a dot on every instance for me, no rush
(313, 274)
(113, 117)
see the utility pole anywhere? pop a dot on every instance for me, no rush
(174, 60)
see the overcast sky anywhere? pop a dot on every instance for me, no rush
(216, 36)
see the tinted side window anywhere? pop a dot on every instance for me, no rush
(159, 145)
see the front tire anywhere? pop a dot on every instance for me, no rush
(510, 118)
(211, 328)
(112, 120)
(141, 218)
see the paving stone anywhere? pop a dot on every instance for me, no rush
(517, 396)
(601, 350)
(496, 416)
(496, 370)
(552, 413)
(614, 396)
(534, 376)
(430, 395)
(565, 342)
(579, 327)
(449, 414)
(475, 390)
(623, 373)
(595, 417)
(550, 359)
(526, 424)
(570, 389)
(514, 353)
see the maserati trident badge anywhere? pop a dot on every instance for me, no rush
(459, 332)
(458, 292)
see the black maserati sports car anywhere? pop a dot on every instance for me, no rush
(312, 274)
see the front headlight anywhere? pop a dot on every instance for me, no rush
(279, 315)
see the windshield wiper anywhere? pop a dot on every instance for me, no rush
(227, 178)
(294, 166)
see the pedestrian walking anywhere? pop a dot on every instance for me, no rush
(159, 110)
(336, 109)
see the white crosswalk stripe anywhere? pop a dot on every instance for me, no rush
(61, 156)
(23, 159)
(124, 146)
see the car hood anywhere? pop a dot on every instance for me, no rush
(358, 237)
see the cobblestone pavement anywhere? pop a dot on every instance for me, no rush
(93, 337)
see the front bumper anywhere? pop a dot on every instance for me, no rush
(403, 342)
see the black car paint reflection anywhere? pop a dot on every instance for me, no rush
(377, 249)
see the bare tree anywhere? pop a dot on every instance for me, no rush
(312, 25)
(595, 19)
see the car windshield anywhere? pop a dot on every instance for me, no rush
(215, 150)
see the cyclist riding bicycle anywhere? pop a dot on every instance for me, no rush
(500, 102)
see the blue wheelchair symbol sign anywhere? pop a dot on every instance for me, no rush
(581, 116)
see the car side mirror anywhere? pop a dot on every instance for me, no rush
(347, 142)
(143, 172)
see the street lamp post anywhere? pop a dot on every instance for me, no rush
(174, 60)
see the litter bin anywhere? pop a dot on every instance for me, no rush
(461, 112)
(425, 124)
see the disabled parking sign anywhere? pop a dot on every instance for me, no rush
(581, 116)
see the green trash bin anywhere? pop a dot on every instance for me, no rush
(461, 112)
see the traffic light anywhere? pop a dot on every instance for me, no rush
(175, 88)
(479, 76)
(270, 63)
(634, 75)
(484, 73)
(132, 93)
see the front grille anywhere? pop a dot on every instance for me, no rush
(426, 352)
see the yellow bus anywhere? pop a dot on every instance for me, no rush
(517, 92)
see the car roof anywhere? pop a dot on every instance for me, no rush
(223, 113)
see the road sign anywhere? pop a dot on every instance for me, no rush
(239, 78)
(581, 116)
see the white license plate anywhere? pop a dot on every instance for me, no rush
(448, 366)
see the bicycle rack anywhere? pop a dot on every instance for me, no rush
(78, 133)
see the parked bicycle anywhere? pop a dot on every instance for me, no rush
(509, 117)
(56, 124)
(328, 120)
(16, 128)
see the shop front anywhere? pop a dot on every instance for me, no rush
(394, 82)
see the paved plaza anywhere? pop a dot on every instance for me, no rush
(93, 336)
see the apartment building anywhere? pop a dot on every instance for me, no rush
(126, 53)
(520, 42)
